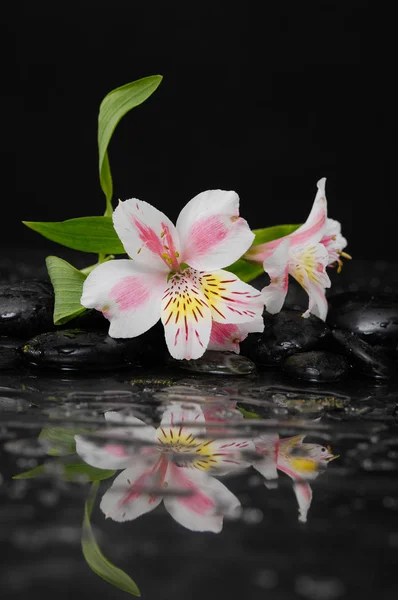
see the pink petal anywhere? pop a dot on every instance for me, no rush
(231, 300)
(147, 235)
(212, 234)
(100, 455)
(128, 294)
(312, 230)
(186, 316)
(136, 491)
(231, 455)
(207, 504)
(277, 267)
(227, 336)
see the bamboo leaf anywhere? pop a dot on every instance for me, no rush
(68, 286)
(113, 107)
(88, 234)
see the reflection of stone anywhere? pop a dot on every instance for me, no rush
(316, 365)
(223, 363)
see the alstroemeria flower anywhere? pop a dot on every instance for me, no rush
(302, 462)
(227, 336)
(158, 283)
(177, 456)
(303, 254)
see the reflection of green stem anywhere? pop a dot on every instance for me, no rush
(94, 557)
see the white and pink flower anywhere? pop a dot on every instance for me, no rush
(176, 273)
(299, 460)
(303, 254)
(175, 463)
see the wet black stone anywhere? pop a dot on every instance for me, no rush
(26, 308)
(284, 334)
(214, 362)
(365, 358)
(80, 350)
(316, 365)
(373, 317)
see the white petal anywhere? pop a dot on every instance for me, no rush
(182, 419)
(308, 266)
(212, 234)
(128, 294)
(277, 267)
(102, 455)
(130, 495)
(266, 447)
(148, 236)
(205, 507)
(186, 317)
(131, 427)
(303, 494)
(230, 299)
(312, 230)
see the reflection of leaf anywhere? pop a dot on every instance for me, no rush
(94, 557)
(32, 473)
(247, 414)
(60, 441)
(70, 470)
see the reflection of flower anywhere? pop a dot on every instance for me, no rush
(173, 458)
(298, 460)
(303, 254)
(176, 273)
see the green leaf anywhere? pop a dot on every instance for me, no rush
(96, 560)
(113, 107)
(88, 234)
(267, 234)
(68, 286)
(247, 270)
(74, 470)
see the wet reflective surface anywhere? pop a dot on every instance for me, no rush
(244, 486)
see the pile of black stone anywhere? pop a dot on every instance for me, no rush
(360, 336)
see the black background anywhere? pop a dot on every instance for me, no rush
(263, 98)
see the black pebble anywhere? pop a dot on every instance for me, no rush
(373, 317)
(368, 360)
(80, 350)
(316, 365)
(26, 308)
(284, 334)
